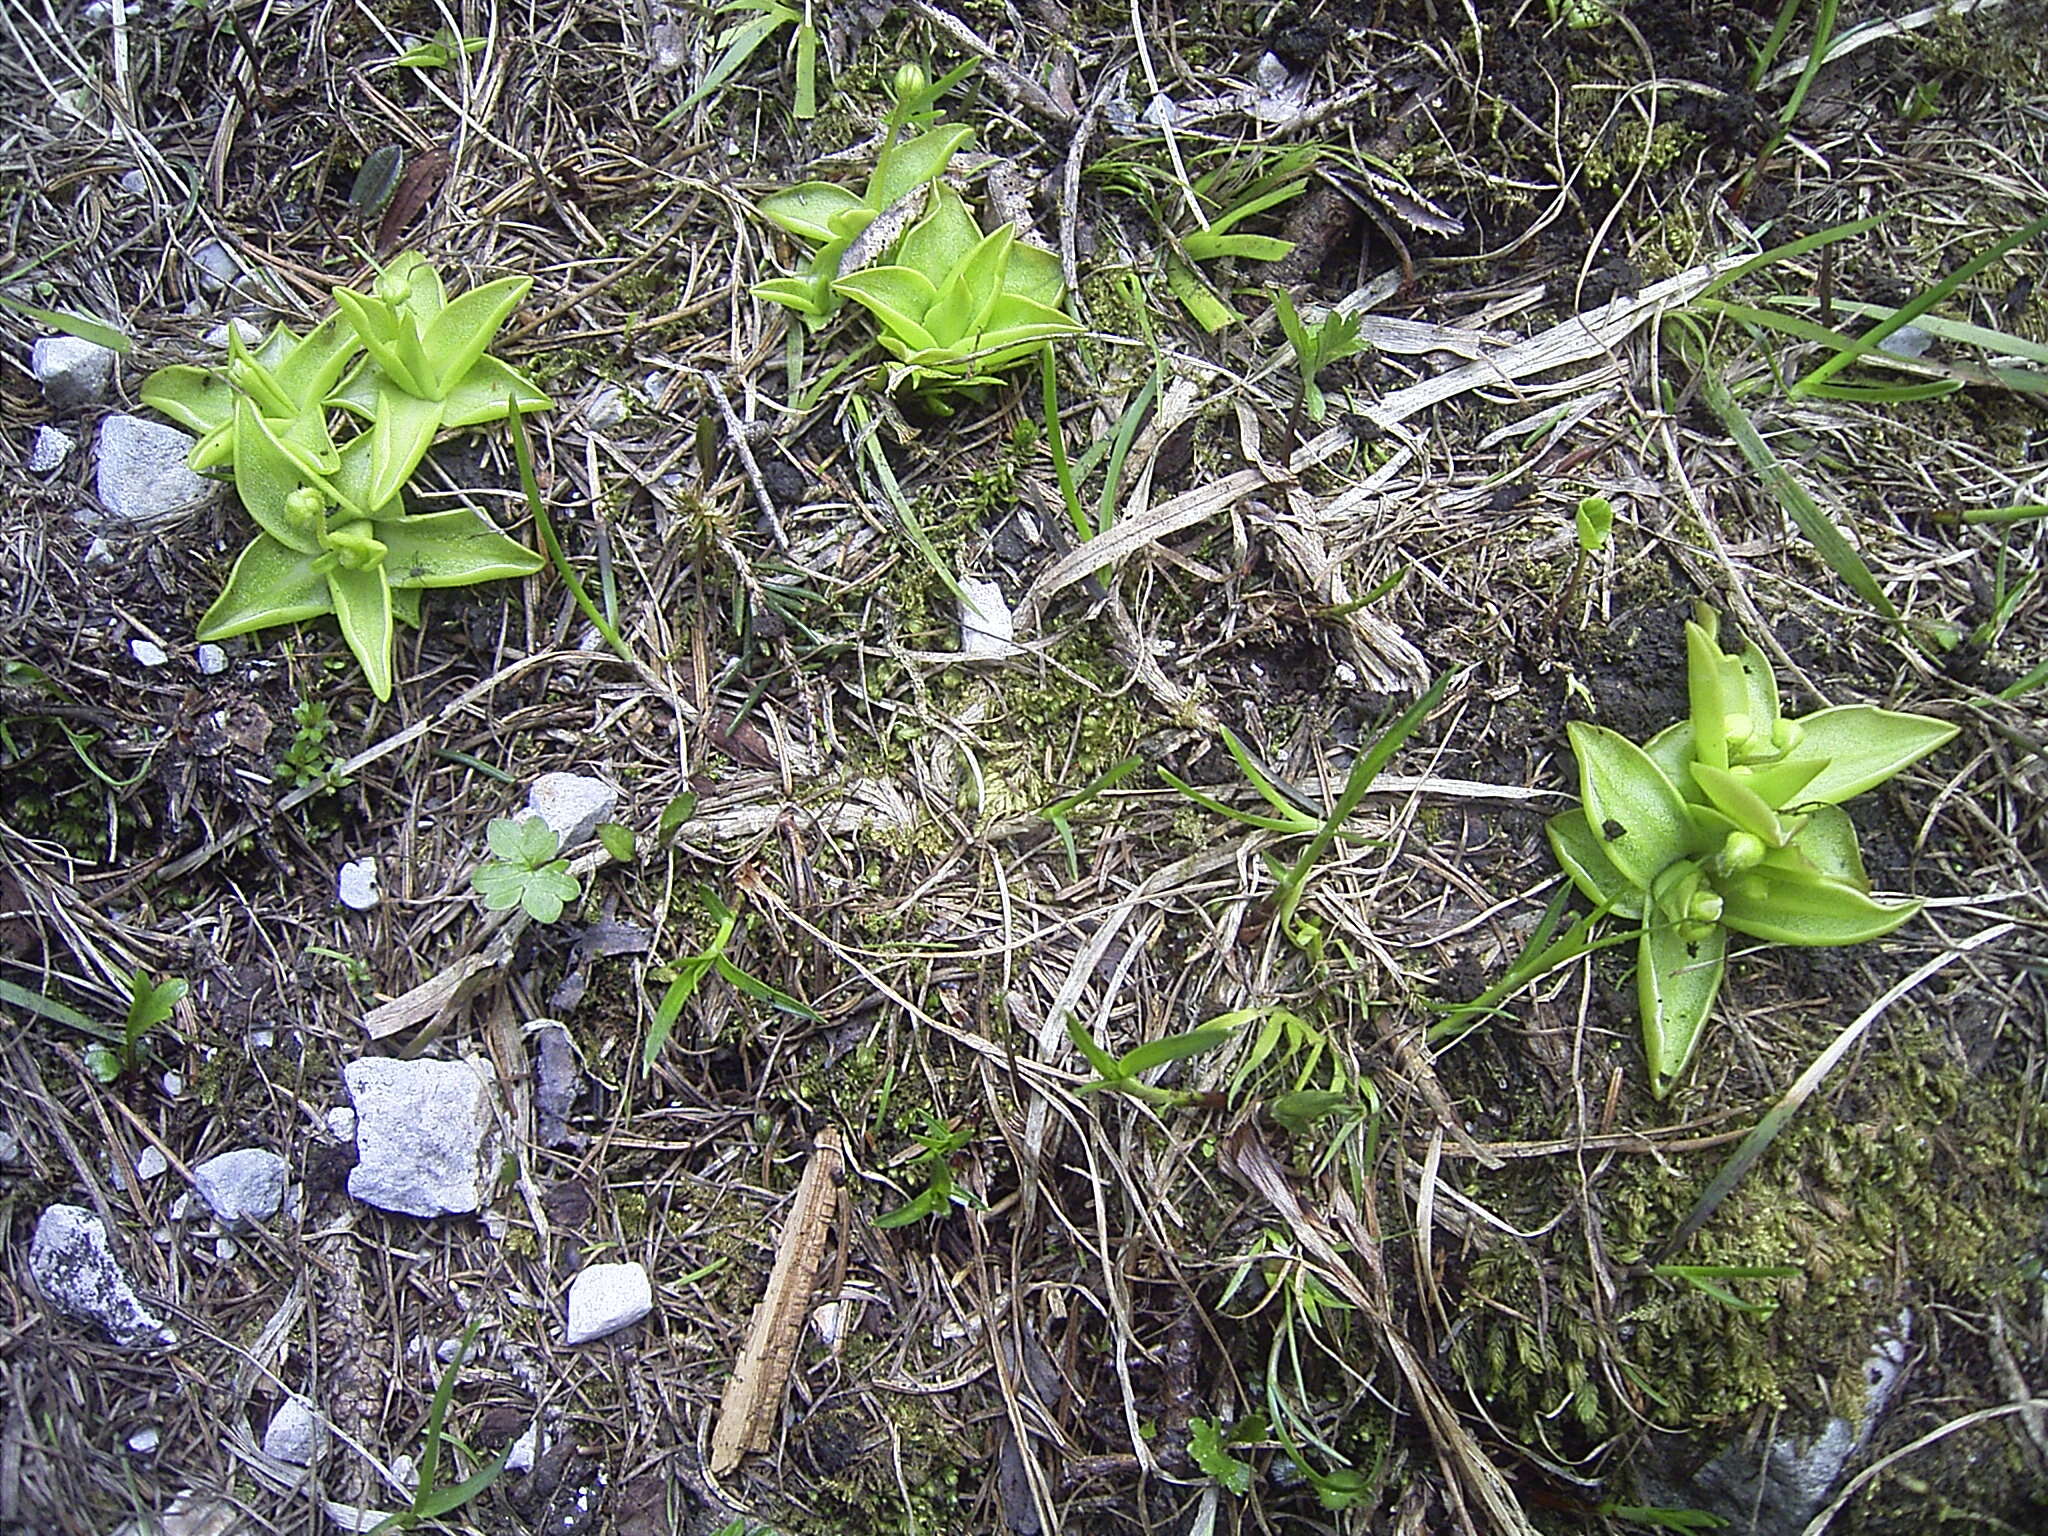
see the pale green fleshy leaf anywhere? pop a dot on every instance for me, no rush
(451, 549)
(270, 584)
(466, 327)
(362, 602)
(1677, 979)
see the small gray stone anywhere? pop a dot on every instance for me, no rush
(295, 1433)
(572, 804)
(249, 331)
(142, 472)
(49, 450)
(426, 1134)
(72, 371)
(242, 1186)
(604, 407)
(78, 1272)
(341, 1123)
(528, 1446)
(667, 49)
(150, 1163)
(217, 268)
(987, 629)
(357, 885)
(134, 183)
(145, 1440)
(148, 653)
(210, 659)
(10, 1148)
(605, 1298)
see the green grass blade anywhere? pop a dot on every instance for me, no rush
(97, 332)
(522, 451)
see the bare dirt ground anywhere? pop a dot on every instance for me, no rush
(1424, 1300)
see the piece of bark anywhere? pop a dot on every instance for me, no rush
(746, 1413)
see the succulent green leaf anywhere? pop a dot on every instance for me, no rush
(1783, 906)
(195, 398)
(898, 297)
(1585, 860)
(1780, 785)
(1630, 805)
(353, 476)
(309, 369)
(270, 584)
(266, 474)
(405, 605)
(362, 602)
(382, 332)
(909, 163)
(806, 295)
(1678, 973)
(940, 241)
(808, 210)
(451, 549)
(399, 438)
(1671, 750)
(1760, 690)
(214, 449)
(465, 327)
(1863, 746)
(481, 395)
(1035, 274)
(966, 298)
(421, 295)
(1741, 804)
(1828, 844)
(1709, 706)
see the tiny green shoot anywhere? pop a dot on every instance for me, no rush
(150, 1003)
(524, 871)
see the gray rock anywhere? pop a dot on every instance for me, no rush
(341, 1123)
(557, 1080)
(572, 804)
(79, 1274)
(1775, 1489)
(49, 450)
(142, 473)
(148, 653)
(242, 1186)
(295, 1433)
(605, 407)
(987, 629)
(10, 1148)
(144, 1441)
(426, 1135)
(134, 183)
(73, 372)
(356, 885)
(217, 268)
(528, 1446)
(605, 1298)
(210, 659)
(150, 1163)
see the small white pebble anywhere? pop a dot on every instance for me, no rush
(210, 659)
(520, 1458)
(262, 1039)
(173, 1084)
(449, 1349)
(49, 450)
(148, 653)
(225, 1248)
(341, 1123)
(150, 1163)
(145, 1440)
(357, 885)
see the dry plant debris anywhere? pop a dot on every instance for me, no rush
(1323, 1250)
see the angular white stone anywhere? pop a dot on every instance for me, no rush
(145, 1440)
(73, 372)
(987, 631)
(142, 473)
(49, 450)
(78, 1272)
(295, 1433)
(341, 1123)
(134, 183)
(605, 1298)
(356, 885)
(426, 1135)
(529, 1445)
(148, 653)
(242, 1186)
(572, 804)
(210, 659)
(217, 268)
(150, 1164)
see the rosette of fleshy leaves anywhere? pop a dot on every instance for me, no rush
(956, 306)
(336, 536)
(1730, 822)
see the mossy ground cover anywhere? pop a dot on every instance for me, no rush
(1327, 1275)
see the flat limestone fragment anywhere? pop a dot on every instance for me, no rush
(426, 1135)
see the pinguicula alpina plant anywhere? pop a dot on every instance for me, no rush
(401, 363)
(1730, 822)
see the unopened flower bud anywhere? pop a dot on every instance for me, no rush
(1787, 734)
(1705, 907)
(909, 84)
(356, 547)
(1737, 728)
(1742, 850)
(392, 287)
